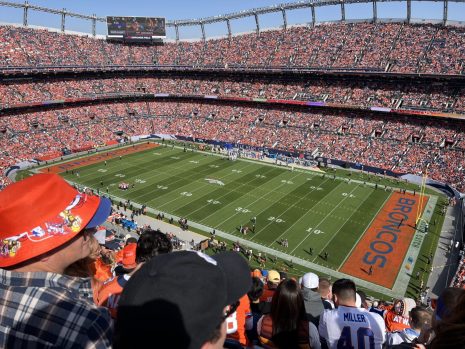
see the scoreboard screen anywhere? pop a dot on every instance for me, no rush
(136, 27)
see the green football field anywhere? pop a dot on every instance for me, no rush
(309, 209)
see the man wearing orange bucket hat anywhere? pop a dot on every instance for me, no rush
(45, 226)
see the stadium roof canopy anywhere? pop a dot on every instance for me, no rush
(254, 12)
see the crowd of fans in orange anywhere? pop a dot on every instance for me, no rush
(403, 144)
(351, 93)
(396, 47)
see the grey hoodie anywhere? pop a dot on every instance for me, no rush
(313, 305)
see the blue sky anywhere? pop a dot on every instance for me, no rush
(184, 9)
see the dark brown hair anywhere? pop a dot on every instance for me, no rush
(287, 313)
(450, 333)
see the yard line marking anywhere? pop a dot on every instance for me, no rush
(226, 193)
(307, 211)
(346, 220)
(340, 202)
(260, 198)
(292, 206)
(200, 187)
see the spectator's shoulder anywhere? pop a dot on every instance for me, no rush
(98, 331)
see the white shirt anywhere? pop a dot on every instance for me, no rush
(351, 327)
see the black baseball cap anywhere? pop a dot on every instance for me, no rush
(177, 300)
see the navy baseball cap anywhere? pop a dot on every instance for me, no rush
(177, 300)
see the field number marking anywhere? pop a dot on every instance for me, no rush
(316, 188)
(260, 176)
(120, 175)
(287, 182)
(316, 231)
(141, 181)
(175, 157)
(102, 170)
(275, 219)
(348, 195)
(242, 210)
(194, 161)
(186, 193)
(213, 202)
(162, 187)
(213, 166)
(237, 171)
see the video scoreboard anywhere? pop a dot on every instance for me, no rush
(137, 28)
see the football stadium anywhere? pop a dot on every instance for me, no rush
(304, 161)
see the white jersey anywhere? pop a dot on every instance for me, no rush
(352, 328)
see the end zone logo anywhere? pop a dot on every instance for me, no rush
(385, 243)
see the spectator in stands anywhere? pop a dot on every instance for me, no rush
(93, 267)
(312, 299)
(419, 317)
(347, 325)
(47, 225)
(447, 307)
(396, 316)
(450, 333)
(237, 324)
(286, 327)
(181, 300)
(272, 281)
(324, 288)
(255, 306)
(151, 243)
(447, 303)
(128, 260)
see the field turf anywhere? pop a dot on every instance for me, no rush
(315, 212)
(324, 214)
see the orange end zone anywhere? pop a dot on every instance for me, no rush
(102, 156)
(384, 244)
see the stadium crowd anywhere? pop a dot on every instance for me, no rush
(74, 286)
(441, 97)
(66, 283)
(395, 47)
(402, 144)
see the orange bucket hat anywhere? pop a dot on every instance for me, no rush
(41, 213)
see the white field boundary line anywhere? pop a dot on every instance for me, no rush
(364, 231)
(328, 215)
(292, 206)
(249, 204)
(304, 215)
(234, 190)
(337, 231)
